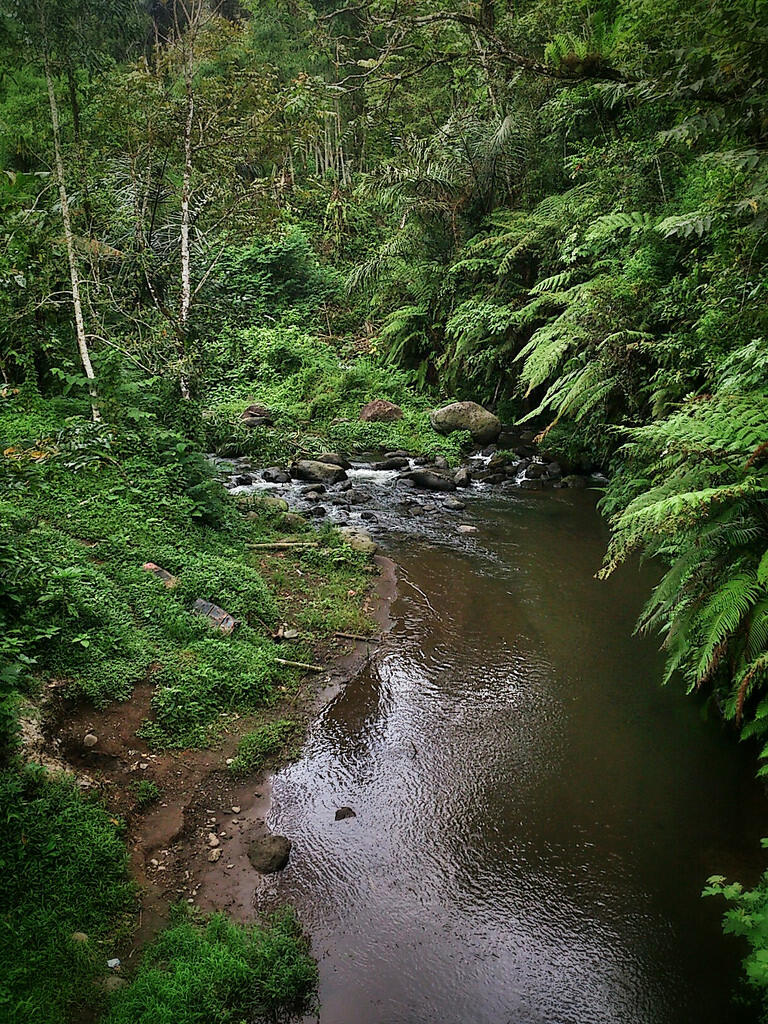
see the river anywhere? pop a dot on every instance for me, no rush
(535, 815)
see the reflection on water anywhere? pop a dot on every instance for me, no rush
(535, 817)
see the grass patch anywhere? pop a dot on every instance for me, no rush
(63, 865)
(147, 793)
(256, 747)
(220, 972)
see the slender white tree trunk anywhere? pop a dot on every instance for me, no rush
(74, 277)
(186, 188)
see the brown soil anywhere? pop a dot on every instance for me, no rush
(169, 843)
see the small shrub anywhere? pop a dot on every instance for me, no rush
(255, 747)
(220, 972)
(147, 793)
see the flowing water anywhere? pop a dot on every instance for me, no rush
(536, 817)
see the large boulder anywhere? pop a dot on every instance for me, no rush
(269, 853)
(256, 416)
(334, 459)
(428, 480)
(482, 425)
(380, 411)
(318, 472)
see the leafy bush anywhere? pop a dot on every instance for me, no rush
(63, 863)
(220, 972)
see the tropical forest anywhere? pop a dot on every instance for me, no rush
(383, 511)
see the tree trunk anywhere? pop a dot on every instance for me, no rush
(74, 277)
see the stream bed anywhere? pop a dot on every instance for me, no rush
(535, 815)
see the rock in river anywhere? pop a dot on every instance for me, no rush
(276, 475)
(428, 480)
(269, 853)
(318, 472)
(344, 812)
(482, 425)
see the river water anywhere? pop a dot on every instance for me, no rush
(536, 817)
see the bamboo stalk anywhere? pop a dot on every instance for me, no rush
(279, 545)
(300, 664)
(359, 636)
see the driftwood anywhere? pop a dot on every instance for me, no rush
(359, 636)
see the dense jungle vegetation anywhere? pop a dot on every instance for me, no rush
(557, 208)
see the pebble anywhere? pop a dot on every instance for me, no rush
(213, 841)
(464, 528)
(113, 963)
(90, 739)
(235, 809)
(214, 855)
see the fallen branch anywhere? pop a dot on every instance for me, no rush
(300, 664)
(359, 636)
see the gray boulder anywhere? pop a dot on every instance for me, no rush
(317, 472)
(427, 480)
(482, 425)
(334, 459)
(463, 477)
(276, 475)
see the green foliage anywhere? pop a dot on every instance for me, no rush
(256, 747)
(315, 397)
(220, 972)
(147, 794)
(64, 871)
(747, 917)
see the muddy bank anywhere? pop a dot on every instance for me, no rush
(169, 843)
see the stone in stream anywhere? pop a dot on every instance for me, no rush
(318, 511)
(395, 462)
(317, 472)
(380, 411)
(265, 501)
(343, 813)
(312, 496)
(466, 528)
(275, 475)
(454, 505)
(575, 481)
(334, 459)
(463, 477)
(427, 480)
(269, 853)
(243, 480)
(536, 471)
(482, 425)
(441, 462)
(312, 488)
(400, 453)
(358, 497)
